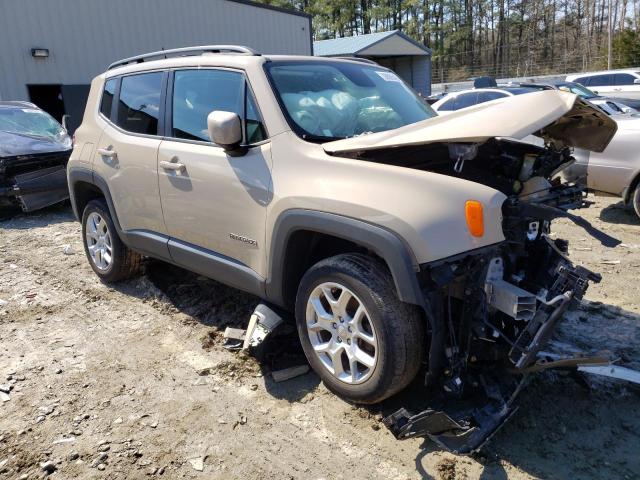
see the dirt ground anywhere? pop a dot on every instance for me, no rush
(131, 381)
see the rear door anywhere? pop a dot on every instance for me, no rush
(215, 204)
(127, 151)
(625, 85)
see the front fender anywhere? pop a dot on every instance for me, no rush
(386, 244)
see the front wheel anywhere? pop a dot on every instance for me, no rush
(362, 341)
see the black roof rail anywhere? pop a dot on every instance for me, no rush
(185, 51)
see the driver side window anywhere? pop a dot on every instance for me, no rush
(196, 93)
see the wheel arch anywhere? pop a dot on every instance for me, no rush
(294, 228)
(84, 186)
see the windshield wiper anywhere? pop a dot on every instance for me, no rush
(319, 138)
(31, 135)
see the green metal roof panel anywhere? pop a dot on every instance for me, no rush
(348, 45)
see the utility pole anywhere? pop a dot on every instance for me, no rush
(609, 26)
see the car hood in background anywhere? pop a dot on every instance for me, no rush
(14, 144)
(559, 117)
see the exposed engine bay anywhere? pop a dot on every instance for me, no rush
(492, 310)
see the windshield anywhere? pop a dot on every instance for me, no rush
(334, 100)
(577, 89)
(30, 122)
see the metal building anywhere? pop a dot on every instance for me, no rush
(50, 50)
(393, 49)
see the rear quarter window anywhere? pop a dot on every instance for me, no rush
(107, 97)
(624, 79)
(139, 103)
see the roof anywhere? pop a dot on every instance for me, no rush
(358, 43)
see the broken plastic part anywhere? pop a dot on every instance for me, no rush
(264, 320)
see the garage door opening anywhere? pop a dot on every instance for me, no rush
(48, 98)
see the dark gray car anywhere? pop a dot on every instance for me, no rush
(34, 150)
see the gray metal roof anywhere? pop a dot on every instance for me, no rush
(354, 45)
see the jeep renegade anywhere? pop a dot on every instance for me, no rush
(399, 239)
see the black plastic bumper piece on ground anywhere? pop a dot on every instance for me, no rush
(460, 437)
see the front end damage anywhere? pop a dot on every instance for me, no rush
(492, 310)
(32, 181)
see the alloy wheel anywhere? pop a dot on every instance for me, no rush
(341, 333)
(98, 240)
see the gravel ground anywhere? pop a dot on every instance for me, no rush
(131, 381)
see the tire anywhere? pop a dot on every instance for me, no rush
(635, 200)
(118, 262)
(388, 331)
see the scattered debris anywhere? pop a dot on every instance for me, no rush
(197, 463)
(234, 338)
(48, 467)
(64, 440)
(610, 262)
(4, 397)
(68, 250)
(263, 321)
(289, 373)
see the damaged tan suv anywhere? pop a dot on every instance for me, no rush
(401, 240)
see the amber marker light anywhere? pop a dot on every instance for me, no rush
(475, 219)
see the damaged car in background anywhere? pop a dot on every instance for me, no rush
(401, 241)
(34, 150)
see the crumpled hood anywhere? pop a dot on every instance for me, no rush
(559, 117)
(12, 144)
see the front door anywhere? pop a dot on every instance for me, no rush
(214, 204)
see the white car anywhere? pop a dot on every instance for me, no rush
(467, 98)
(612, 83)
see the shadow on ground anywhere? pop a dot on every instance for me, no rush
(218, 306)
(59, 213)
(618, 213)
(561, 429)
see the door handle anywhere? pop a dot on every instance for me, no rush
(107, 152)
(175, 166)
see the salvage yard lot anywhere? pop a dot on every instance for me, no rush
(132, 380)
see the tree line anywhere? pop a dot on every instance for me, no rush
(502, 38)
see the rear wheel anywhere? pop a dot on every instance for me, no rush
(362, 341)
(109, 258)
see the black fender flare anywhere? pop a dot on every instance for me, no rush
(80, 174)
(384, 243)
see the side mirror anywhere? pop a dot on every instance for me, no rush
(65, 117)
(225, 129)
(636, 81)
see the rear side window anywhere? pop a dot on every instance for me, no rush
(139, 103)
(107, 97)
(488, 96)
(624, 79)
(582, 81)
(448, 105)
(196, 93)
(466, 100)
